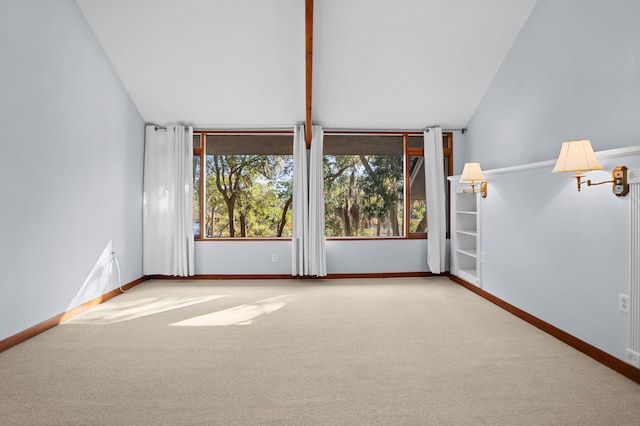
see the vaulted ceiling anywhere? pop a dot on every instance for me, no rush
(376, 63)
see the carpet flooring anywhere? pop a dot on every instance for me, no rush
(408, 351)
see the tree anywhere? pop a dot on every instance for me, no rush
(341, 194)
(381, 185)
(361, 193)
(252, 191)
(230, 179)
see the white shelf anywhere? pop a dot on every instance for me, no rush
(471, 272)
(466, 236)
(470, 253)
(469, 275)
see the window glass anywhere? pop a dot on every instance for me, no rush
(417, 195)
(196, 195)
(363, 185)
(374, 184)
(249, 186)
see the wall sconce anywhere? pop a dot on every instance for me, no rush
(472, 173)
(578, 156)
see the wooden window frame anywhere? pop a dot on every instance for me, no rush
(447, 152)
(202, 152)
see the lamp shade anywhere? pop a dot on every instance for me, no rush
(576, 156)
(472, 173)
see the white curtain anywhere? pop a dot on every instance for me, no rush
(308, 242)
(436, 211)
(317, 252)
(168, 246)
(300, 237)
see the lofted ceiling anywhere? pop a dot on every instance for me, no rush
(376, 63)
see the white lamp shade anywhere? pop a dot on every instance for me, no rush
(472, 173)
(576, 156)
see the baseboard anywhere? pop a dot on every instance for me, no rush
(382, 275)
(30, 332)
(295, 277)
(599, 355)
(223, 277)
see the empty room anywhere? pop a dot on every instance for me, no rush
(331, 212)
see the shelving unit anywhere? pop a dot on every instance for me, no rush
(465, 236)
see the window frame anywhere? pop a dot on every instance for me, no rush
(408, 152)
(202, 152)
(447, 151)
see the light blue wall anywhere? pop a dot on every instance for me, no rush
(572, 73)
(343, 257)
(71, 155)
(563, 256)
(243, 257)
(559, 254)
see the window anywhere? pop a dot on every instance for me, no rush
(243, 185)
(372, 179)
(363, 185)
(374, 184)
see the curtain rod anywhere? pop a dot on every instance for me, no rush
(155, 126)
(278, 127)
(369, 130)
(328, 129)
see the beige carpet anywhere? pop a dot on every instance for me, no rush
(411, 351)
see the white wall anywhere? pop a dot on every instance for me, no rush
(563, 256)
(572, 73)
(559, 254)
(343, 257)
(360, 256)
(70, 165)
(243, 257)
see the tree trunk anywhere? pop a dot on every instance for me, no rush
(283, 217)
(212, 223)
(230, 208)
(345, 218)
(422, 226)
(366, 164)
(355, 217)
(393, 215)
(243, 225)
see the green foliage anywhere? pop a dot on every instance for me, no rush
(361, 195)
(418, 217)
(247, 195)
(251, 195)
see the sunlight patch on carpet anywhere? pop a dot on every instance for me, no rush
(238, 315)
(117, 311)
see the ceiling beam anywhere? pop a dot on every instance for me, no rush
(309, 65)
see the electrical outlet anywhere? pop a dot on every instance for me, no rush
(481, 257)
(633, 357)
(623, 303)
(274, 257)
